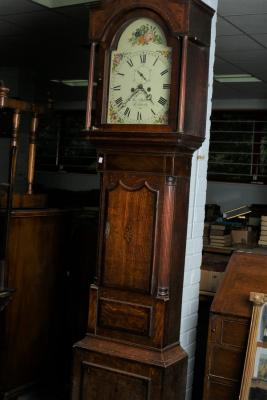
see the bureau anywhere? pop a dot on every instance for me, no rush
(229, 323)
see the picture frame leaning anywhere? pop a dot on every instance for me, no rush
(254, 379)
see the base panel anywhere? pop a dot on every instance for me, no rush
(107, 370)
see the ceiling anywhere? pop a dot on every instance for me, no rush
(241, 47)
(53, 42)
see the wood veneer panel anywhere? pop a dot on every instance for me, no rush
(130, 224)
(124, 316)
(105, 383)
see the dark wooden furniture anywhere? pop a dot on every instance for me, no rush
(13, 110)
(42, 258)
(30, 325)
(229, 324)
(201, 345)
(132, 345)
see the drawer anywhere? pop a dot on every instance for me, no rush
(226, 362)
(229, 332)
(221, 390)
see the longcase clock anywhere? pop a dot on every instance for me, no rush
(150, 62)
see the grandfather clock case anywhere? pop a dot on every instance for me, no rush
(146, 128)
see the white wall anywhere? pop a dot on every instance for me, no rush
(195, 231)
(233, 195)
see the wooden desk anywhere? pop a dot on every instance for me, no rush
(214, 263)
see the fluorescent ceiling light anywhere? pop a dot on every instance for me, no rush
(72, 82)
(236, 78)
(61, 3)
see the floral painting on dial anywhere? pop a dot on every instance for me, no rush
(146, 34)
(117, 58)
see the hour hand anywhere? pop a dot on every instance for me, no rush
(142, 75)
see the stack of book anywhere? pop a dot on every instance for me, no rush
(206, 234)
(220, 236)
(263, 233)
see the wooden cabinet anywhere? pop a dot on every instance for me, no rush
(30, 325)
(51, 262)
(229, 324)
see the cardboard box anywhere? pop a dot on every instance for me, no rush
(210, 280)
(244, 237)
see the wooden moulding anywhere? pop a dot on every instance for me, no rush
(163, 358)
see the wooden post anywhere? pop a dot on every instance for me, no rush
(89, 106)
(32, 152)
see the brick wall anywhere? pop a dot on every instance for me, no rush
(195, 227)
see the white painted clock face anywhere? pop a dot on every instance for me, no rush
(140, 76)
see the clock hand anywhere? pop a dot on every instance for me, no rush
(142, 75)
(136, 90)
(148, 96)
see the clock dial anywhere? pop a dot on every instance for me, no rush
(140, 77)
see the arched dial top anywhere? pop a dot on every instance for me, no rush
(140, 76)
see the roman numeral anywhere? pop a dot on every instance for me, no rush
(166, 85)
(119, 73)
(162, 101)
(119, 101)
(127, 112)
(153, 112)
(139, 116)
(143, 58)
(118, 87)
(129, 61)
(164, 72)
(156, 61)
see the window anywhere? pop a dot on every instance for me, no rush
(238, 146)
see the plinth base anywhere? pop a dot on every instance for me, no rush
(107, 370)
